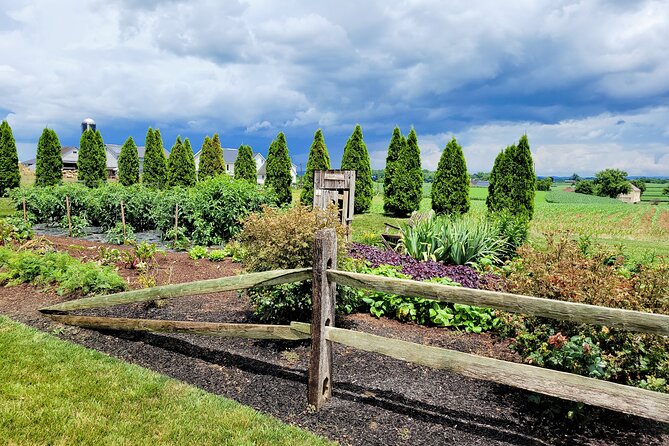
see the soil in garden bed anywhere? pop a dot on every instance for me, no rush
(376, 401)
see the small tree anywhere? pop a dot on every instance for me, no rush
(394, 149)
(356, 158)
(319, 159)
(181, 164)
(407, 182)
(586, 187)
(611, 183)
(278, 170)
(497, 199)
(49, 161)
(640, 184)
(90, 163)
(245, 166)
(10, 177)
(211, 158)
(154, 169)
(100, 158)
(450, 190)
(128, 163)
(544, 184)
(523, 180)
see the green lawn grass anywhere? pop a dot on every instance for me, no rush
(55, 392)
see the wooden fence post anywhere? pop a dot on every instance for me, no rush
(123, 219)
(323, 313)
(25, 214)
(176, 223)
(69, 220)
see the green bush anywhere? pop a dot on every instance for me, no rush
(10, 177)
(128, 163)
(49, 161)
(512, 181)
(217, 255)
(92, 161)
(545, 184)
(15, 229)
(68, 275)
(394, 149)
(407, 179)
(79, 225)
(181, 165)
(318, 160)
(562, 271)
(154, 170)
(245, 166)
(450, 190)
(356, 158)
(209, 213)
(278, 168)
(211, 158)
(586, 187)
(197, 252)
(116, 236)
(283, 239)
(416, 309)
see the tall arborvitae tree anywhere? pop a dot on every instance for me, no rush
(49, 162)
(128, 163)
(154, 169)
(211, 158)
(391, 162)
(450, 189)
(10, 177)
(407, 182)
(278, 170)
(181, 164)
(319, 159)
(245, 166)
(100, 157)
(524, 180)
(513, 182)
(88, 163)
(356, 158)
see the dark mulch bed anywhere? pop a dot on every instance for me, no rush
(376, 401)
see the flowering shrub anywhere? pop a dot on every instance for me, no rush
(564, 271)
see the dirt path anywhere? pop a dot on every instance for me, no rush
(376, 401)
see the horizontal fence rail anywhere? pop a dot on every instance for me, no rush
(627, 399)
(226, 330)
(231, 283)
(535, 306)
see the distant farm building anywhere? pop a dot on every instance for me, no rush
(633, 197)
(230, 156)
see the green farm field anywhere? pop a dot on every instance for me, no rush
(638, 229)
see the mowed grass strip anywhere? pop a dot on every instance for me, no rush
(58, 393)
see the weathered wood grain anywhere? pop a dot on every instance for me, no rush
(185, 289)
(251, 331)
(627, 399)
(535, 306)
(323, 315)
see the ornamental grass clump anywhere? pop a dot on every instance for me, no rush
(453, 240)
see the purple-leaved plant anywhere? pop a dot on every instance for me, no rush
(465, 275)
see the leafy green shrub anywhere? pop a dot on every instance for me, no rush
(66, 273)
(450, 191)
(177, 239)
(245, 167)
(415, 309)
(406, 182)
(197, 252)
(49, 161)
(563, 271)
(116, 235)
(586, 187)
(545, 184)
(14, 228)
(356, 158)
(217, 255)
(79, 225)
(282, 239)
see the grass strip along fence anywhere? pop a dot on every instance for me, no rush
(323, 333)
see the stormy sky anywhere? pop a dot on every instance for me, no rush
(588, 81)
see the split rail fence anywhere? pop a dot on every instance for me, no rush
(323, 333)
